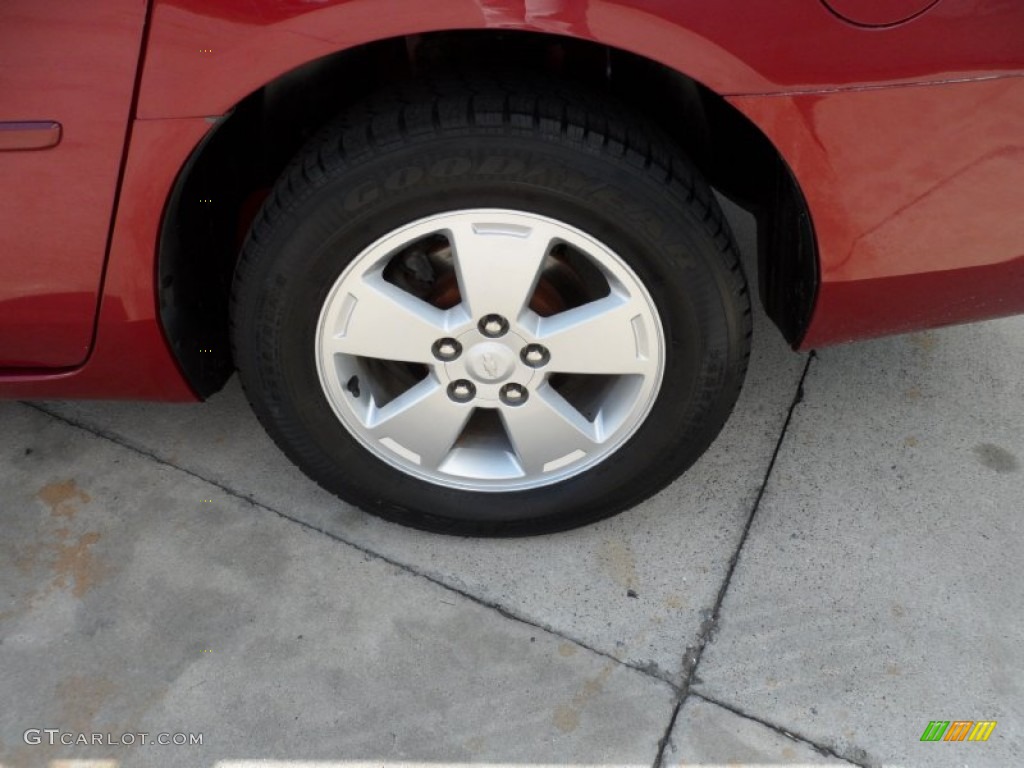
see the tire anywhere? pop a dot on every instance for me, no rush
(390, 222)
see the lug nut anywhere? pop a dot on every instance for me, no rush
(446, 350)
(461, 391)
(513, 394)
(493, 326)
(535, 355)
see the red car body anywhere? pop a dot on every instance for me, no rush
(902, 124)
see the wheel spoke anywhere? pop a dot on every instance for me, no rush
(380, 320)
(422, 421)
(545, 429)
(498, 265)
(608, 336)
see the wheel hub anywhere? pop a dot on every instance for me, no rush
(489, 364)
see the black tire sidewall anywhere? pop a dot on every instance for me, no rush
(656, 228)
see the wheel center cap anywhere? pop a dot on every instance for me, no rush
(490, 362)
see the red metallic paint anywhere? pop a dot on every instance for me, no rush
(913, 190)
(879, 13)
(130, 359)
(908, 184)
(74, 63)
(206, 55)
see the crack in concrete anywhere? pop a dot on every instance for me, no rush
(821, 749)
(709, 625)
(666, 737)
(646, 670)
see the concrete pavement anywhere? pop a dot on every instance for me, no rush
(840, 569)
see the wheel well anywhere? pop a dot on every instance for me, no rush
(222, 184)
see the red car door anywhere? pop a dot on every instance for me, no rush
(67, 72)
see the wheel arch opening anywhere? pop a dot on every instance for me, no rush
(222, 184)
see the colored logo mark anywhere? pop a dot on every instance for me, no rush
(958, 730)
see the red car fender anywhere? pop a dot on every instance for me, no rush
(203, 56)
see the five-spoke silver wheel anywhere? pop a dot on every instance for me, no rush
(490, 350)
